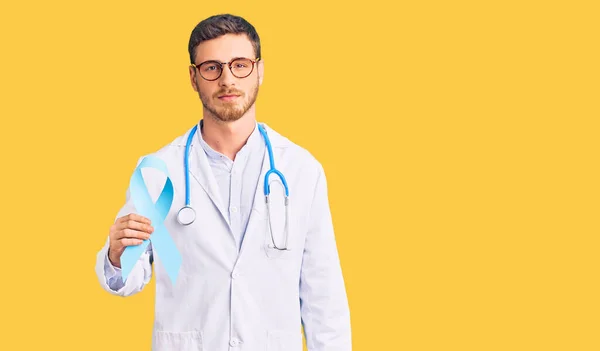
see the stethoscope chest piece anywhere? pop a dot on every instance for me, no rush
(186, 215)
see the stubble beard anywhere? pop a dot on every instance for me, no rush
(226, 111)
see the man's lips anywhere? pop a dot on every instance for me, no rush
(228, 97)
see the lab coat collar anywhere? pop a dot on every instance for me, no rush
(277, 140)
(201, 171)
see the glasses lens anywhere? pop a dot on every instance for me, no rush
(210, 70)
(241, 67)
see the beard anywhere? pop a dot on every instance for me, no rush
(230, 111)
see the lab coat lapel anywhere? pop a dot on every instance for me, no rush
(202, 172)
(258, 213)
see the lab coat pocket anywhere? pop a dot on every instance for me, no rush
(275, 244)
(180, 341)
(284, 341)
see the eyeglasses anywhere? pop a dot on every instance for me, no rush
(240, 67)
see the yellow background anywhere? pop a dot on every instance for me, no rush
(460, 140)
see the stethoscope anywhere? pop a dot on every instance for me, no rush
(187, 214)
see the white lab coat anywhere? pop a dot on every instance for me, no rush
(256, 299)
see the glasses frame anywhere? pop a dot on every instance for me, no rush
(221, 64)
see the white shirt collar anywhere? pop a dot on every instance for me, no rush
(251, 143)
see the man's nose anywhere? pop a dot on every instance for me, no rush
(227, 78)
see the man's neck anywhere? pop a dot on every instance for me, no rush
(228, 138)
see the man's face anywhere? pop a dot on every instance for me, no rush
(219, 96)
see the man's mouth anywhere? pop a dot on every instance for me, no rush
(228, 97)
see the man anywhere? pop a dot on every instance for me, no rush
(243, 284)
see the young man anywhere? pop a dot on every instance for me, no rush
(253, 270)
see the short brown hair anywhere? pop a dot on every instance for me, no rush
(218, 25)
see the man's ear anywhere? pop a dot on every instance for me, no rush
(261, 71)
(192, 71)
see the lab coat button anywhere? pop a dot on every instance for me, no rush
(234, 342)
(235, 275)
(234, 209)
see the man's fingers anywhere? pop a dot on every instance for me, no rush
(132, 233)
(132, 224)
(130, 242)
(134, 217)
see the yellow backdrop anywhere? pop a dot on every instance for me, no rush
(460, 140)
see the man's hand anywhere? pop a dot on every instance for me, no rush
(128, 230)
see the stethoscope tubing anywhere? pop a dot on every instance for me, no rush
(266, 186)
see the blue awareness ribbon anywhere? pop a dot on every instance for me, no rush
(163, 245)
